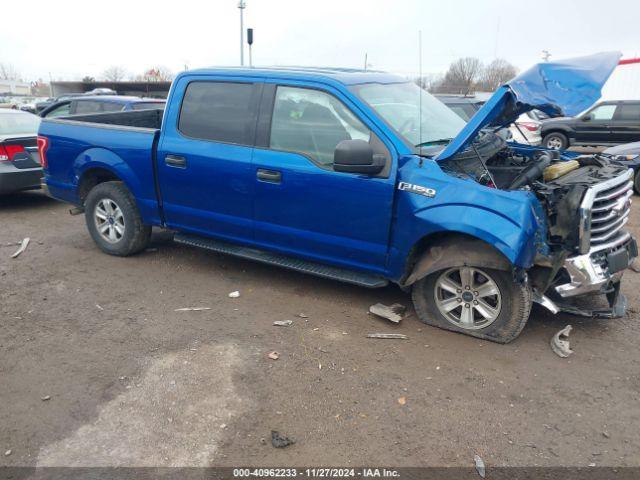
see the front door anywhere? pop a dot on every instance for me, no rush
(302, 206)
(204, 159)
(594, 127)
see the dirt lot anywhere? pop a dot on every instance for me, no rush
(133, 382)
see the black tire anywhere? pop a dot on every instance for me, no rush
(636, 183)
(559, 140)
(514, 312)
(135, 236)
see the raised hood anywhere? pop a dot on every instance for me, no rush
(562, 88)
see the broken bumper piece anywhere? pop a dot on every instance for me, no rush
(599, 270)
(617, 305)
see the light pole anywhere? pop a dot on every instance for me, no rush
(241, 6)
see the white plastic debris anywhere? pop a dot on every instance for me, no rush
(398, 336)
(392, 313)
(23, 247)
(480, 468)
(283, 323)
(7, 453)
(192, 309)
(235, 294)
(560, 342)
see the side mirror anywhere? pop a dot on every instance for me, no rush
(587, 118)
(356, 156)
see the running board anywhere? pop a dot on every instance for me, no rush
(304, 266)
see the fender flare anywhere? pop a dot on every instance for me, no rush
(457, 252)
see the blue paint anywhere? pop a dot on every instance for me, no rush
(356, 221)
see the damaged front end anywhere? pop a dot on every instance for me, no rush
(586, 198)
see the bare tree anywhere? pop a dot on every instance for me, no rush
(114, 74)
(156, 74)
(429, 81)
(496, 74)
(8, 72)
(462, 76)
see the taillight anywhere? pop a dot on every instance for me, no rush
(43, 145)
(532, 127)
(7, 152)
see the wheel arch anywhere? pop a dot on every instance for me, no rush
(442, 250)
(93, 176)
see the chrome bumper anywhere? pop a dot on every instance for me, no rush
(587, 275)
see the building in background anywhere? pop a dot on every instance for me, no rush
(624, 83)
(14, 87)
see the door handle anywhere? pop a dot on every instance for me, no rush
(175, 161)
(271, 176)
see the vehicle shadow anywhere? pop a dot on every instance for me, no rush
(23, 200)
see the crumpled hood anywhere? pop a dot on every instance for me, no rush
(562, 88)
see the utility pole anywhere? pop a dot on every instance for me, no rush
(241, 6)
(250, 42)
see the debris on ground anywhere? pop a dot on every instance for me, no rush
(283, 323)
(192, 309)
(23, 247)
(606, 435)
(302, 315)
(273, 355)
(398, 336)
(560, 342)
(235, 294)
(402, 400)
(392, 313)
(634, 266)
(7, 453)
(479, 465)
(45, 398)
(280, 441)
(99, 307)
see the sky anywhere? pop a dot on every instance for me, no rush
(66, 40)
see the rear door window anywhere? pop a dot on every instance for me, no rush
(88, 106)
(629, 111)
(218, 111)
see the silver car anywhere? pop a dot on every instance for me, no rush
(20, 167)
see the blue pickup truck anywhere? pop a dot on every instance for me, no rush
(364, 178)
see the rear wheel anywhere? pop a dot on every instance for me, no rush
(480, 302)
(114, 221)
(556, 141)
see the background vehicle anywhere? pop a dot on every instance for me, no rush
(8, 102)
(628, 154)
(19, 159)
(528, 129)
(464, 106)
(98, 104)
(41, 105)
(299, 168)
(607, 123)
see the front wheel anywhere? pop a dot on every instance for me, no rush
(114, 221)
(556, 141)
(480, 302)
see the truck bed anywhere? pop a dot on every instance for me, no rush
(137, 119)
(122, 143)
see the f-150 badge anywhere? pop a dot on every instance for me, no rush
(417, 189)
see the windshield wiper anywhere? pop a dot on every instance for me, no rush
(441, 141)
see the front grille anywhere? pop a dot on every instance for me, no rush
(606, 208)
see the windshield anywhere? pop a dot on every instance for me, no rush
(18, 122)
(399, 105)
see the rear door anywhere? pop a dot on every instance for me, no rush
(204, 157)
(301, 205)
(594, 127)
(626, 123)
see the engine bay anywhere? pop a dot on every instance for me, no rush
(558, 182)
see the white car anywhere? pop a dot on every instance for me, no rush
(527, 129)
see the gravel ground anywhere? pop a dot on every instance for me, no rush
(132, 382)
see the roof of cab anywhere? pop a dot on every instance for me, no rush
(346, 76)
